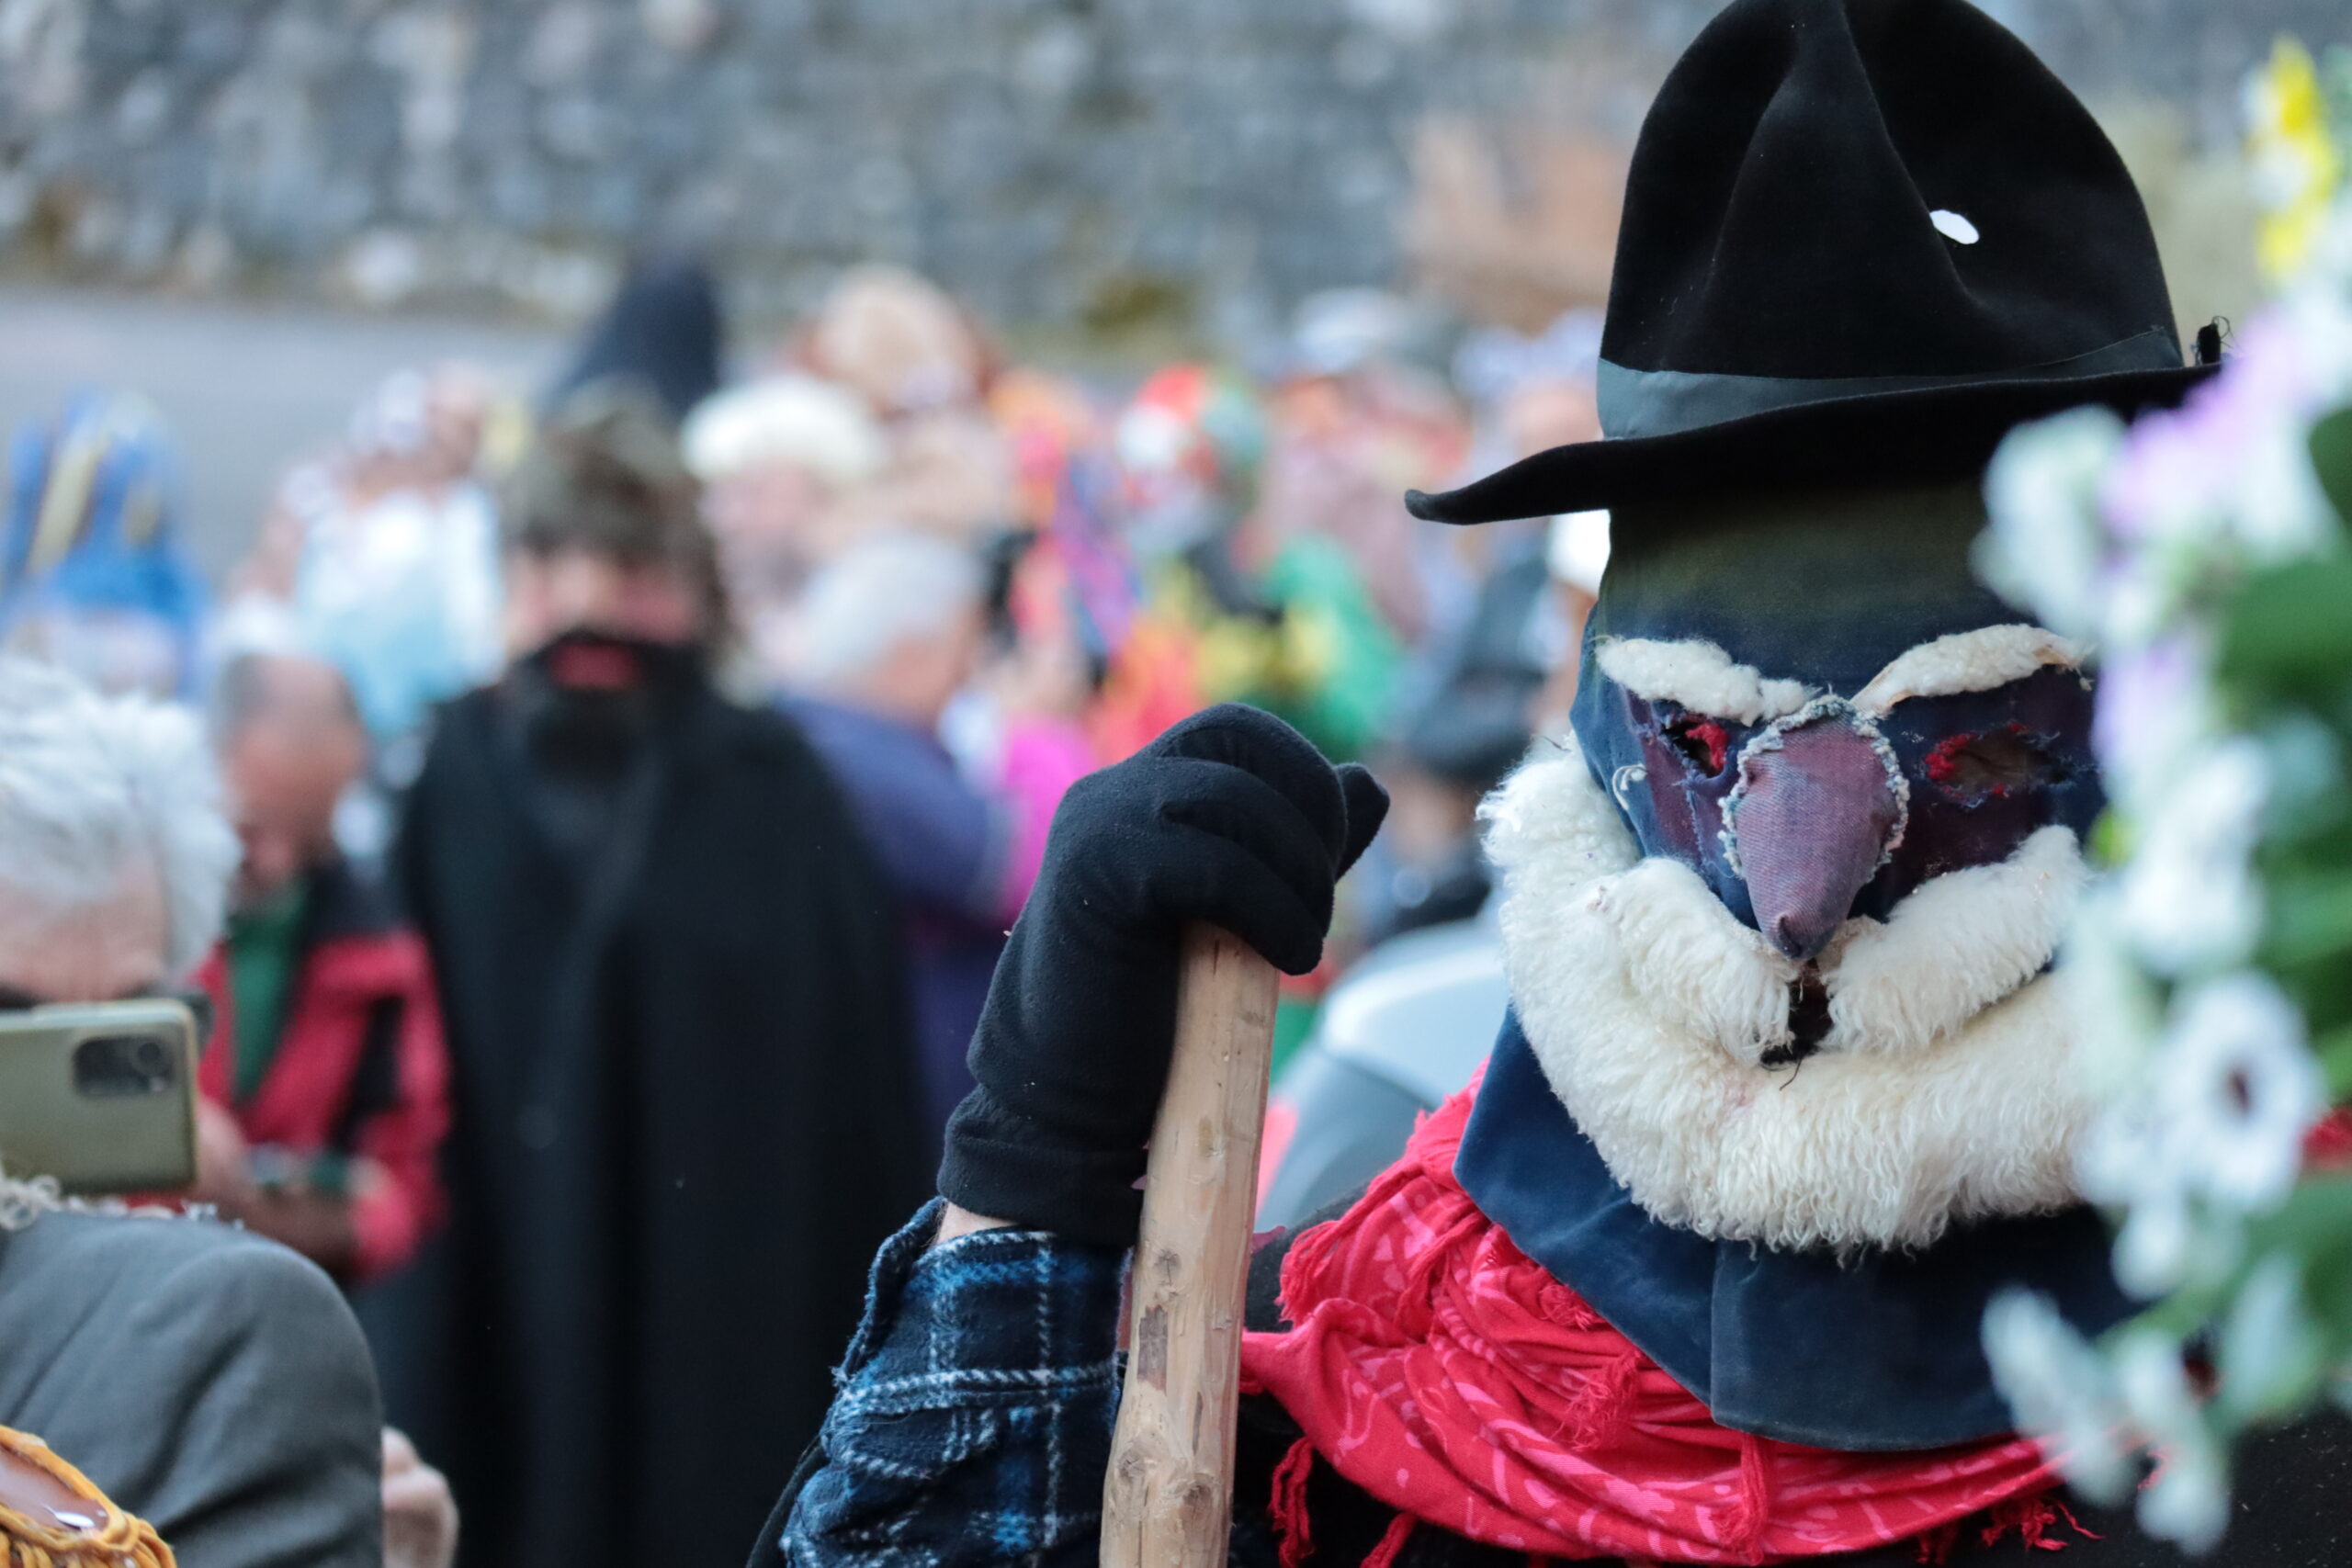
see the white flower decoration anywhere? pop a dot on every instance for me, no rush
(2157, 1244)
(2187, 1499)
(2061, 1390)
(2190, 898)
(2138, 541)
(2217, 1119)
(2237, 1089)
(2046, 544)
(2271, 1348)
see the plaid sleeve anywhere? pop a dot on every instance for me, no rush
(973, 1422)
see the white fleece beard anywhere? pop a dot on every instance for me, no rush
(1944, 1089)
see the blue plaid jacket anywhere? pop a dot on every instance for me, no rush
(973, 1427)
(973, 1424)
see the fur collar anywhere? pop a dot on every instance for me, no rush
(1945, 1090)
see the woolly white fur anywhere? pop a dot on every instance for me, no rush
(1699, 675)
(1958, 945)
(1701, 973)
(1649, 1005)
(1979, 660)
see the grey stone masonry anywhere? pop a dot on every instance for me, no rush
(1069, 164)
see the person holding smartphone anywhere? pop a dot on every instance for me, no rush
(202, 1378)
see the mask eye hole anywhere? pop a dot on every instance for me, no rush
(1990, 764)
(1704, 743)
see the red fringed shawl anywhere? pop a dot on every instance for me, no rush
(1444, 1372)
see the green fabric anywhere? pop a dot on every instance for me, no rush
(265, 950)
(1293, 1022)
(1340, 656)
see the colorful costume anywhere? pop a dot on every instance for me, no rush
(93, 575)
(1231, 611)
(1695, 1273)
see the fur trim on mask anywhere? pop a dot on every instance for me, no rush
(1958, 945)
(1704, 973)
(1981, 660)
(1550, 811)
(1700, 676)
(1647, 1003)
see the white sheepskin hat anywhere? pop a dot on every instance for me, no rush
(799, 420)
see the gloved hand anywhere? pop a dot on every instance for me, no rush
(1231, 818)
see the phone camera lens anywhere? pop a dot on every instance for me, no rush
(111, 1065)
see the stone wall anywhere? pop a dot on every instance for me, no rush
(1066, 163)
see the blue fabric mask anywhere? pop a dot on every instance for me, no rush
(1880, 1350)
(1828, 592)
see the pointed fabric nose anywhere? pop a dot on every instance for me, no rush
(1812, 818)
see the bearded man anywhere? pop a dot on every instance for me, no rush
(675, 1010)
(1695, 1273)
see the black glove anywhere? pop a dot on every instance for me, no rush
(1232, 818)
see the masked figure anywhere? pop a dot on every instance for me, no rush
(1694, 1272)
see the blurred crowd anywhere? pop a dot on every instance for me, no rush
(636, 779)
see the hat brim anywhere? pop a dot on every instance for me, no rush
(1917, 435)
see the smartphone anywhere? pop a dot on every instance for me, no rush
(100, 1096)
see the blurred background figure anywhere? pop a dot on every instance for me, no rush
(1399, 1033)
(385, 554)
(1448, 753)
(686, 1104)
(779, 459)
(325, 1081)
(1411, 1021)
(898, 341)
(92, 573)
(1359, 416)
(1070, 588)
(420, 1511)
(1237, 606)
(922, 368)
(664, 332)
(886, 638)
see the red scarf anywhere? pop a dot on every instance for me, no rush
(1444, 1372)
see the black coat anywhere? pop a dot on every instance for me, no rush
(685, 1118)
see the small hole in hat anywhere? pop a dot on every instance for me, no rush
(1952, 226)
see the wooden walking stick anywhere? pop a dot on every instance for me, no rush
(1168, 1499)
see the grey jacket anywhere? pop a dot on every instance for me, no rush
(1400, 1034)
(209, 1382)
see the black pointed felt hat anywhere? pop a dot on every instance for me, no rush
(1863, 240)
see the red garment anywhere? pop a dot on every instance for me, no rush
(2328, 1146)
(360, 973)
(1446, 1373)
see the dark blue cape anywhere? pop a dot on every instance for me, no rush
(1880, 1352)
